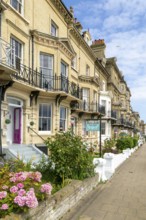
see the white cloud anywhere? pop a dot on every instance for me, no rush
(121, 23)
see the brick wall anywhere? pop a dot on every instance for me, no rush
(59, 203)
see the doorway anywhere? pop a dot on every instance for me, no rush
(14, 129)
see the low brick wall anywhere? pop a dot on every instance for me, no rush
(59, 203)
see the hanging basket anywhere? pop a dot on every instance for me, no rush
(7, 121)
(31, 123)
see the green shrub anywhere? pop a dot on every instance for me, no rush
(135, 141)
(69, 157)
(109, 143)
(120, 144)
(128, 142)
(124, 143)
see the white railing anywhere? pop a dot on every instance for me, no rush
(7, 53)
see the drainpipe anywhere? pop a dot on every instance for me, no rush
(32, 52)
(100, 147)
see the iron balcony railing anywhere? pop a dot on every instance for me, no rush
(124, 122)
(111, 114)
(47, 82)
(7, 53)
(89, 107)
(44, 79)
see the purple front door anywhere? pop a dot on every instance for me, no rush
(17, 125)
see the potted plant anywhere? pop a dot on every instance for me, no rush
(31, 123)
(7, 121)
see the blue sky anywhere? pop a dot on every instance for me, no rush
(122, 24)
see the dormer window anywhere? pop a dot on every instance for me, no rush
(54, 29)
(18, 5)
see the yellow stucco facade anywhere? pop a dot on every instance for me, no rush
(49, 75)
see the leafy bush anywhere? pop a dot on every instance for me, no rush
(135, 141)
(124, 143)
(68, 158)
(109, 143)
(109, 146)
(20, 191)
(128, 142)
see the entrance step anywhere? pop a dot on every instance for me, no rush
(27, 153)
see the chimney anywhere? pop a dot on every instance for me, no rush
(98, 47)
(71, 10)
(78, 25)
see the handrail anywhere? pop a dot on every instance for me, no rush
(37, 134)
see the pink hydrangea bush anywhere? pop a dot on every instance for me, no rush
(21, 191)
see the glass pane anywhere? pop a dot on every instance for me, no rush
(17, 119)
(45, 117)
(63, 69)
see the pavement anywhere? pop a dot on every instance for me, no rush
(123, 197)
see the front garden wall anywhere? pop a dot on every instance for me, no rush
(59, 203)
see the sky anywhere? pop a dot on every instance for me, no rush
(122, 25)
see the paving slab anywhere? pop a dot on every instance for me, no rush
(123, 197)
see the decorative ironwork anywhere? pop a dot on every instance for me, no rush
(92, 107)
(7, 53)
(124, 122)
(49, 83)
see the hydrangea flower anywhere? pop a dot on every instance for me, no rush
(20, 200)
(36, 176)
(20, 185)
(5, 187)
(4, 206)
(3, 194)
(21, 192)
(14, 189)
(18, 192)
(46, 188)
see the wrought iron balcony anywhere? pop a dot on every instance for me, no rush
(124, 122)
(47, 82)
(111, 114)
(7, 53)
(44, 80)
(88, 107)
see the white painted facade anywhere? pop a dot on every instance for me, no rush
(105, 100)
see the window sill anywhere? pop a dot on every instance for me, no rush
(17, 13)
(74, 69)
(44, 132)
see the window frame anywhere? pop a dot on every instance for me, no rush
(64, 127)
(66, 68)
(74, 62)
(19, 6)
(87, 70)
(14, 57)
(49, 105)
(86, 98)
(49, 69)
(55, 27)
